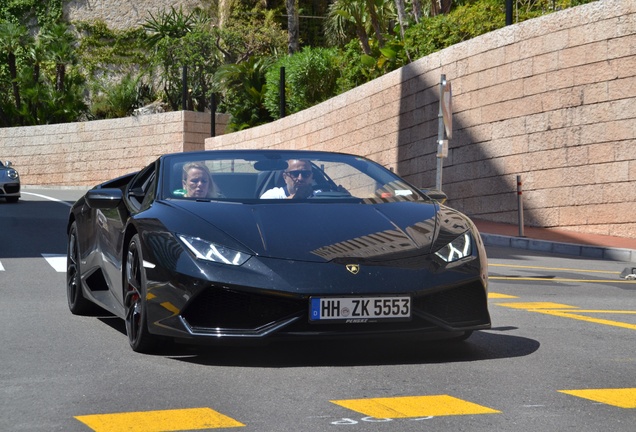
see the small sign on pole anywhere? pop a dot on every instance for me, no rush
(445, 126)
(447, 107)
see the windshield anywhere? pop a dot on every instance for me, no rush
(280, 175)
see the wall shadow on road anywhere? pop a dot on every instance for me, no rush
(30, 228)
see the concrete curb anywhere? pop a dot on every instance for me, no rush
(586, 251)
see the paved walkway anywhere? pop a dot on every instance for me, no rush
(558, 241)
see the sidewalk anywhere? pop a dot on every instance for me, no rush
(558, 241)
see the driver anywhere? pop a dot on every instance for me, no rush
(299, 178)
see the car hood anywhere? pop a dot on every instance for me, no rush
(325, 232)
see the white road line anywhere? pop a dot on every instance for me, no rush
(58, 262)
(48, 198)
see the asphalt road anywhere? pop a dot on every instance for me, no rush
(561, 356)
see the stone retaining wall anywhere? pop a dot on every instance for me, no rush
(552, 100)
(88, 153)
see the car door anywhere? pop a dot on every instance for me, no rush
(137, 196)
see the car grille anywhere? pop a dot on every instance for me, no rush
(460, 306)
(228, 309)
(11, 188)
(217, 308)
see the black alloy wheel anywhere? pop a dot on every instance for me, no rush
(135, 300)
(77, 303)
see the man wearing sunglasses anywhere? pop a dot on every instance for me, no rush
(299, 181)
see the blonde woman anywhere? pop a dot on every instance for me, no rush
(197, 181)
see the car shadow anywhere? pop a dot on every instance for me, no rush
(482, 345)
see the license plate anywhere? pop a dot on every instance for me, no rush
(359, 309)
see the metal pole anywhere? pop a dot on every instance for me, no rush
(184, 89)
(508, 12)
(213, 115)
(440, 136)
(520, 206)
(281, 92)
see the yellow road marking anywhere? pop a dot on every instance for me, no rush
(553, 268)
(546, 279)
(159, 421)
(536, 305)
(493, 295)
(414, 406)
(564, 311)
(622, 312)
(588, 319)
(622, 398)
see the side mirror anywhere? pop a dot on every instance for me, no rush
(107, 198)
(435, 195)
(8, 163)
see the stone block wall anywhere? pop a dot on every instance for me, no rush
(122, 14)
(552, 100)
(88, 153)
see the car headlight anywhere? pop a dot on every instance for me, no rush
(459, 248)
(208, 251)
(13, 174)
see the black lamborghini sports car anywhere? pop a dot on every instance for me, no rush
(256, 245)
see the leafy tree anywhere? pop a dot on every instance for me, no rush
(243, 87)
(250, 32)
(465, 22)
(181, 39)
(59, 44)
(366, 19)
(293, 43)
(12, 38)
(34, 64)
(344, 18)
(46, 105)
(310, 78)
(357, 68)
(400, 7)
(119, 71)
(120, 99)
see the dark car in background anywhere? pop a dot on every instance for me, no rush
(9, 182)
(360, 254)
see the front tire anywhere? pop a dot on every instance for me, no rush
(139, 337)
(77, 303)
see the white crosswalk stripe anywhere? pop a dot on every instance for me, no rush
(57, 261)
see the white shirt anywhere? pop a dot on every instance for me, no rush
(275, 193)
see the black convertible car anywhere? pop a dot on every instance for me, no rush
(256, 245)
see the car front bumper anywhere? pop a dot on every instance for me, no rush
(9, 189)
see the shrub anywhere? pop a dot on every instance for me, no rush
(310, 78)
